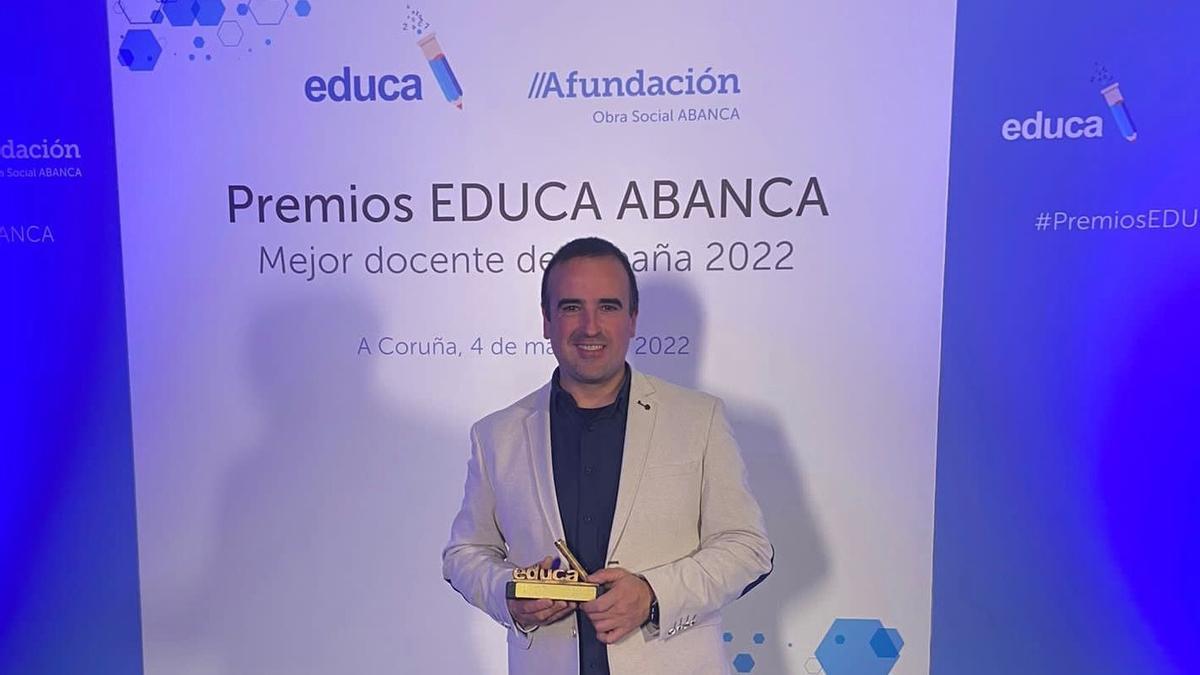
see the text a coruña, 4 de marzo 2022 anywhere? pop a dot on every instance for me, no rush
(502, 347)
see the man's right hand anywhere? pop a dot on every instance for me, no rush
(530, 614)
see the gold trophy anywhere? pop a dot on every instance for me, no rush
(531, 583)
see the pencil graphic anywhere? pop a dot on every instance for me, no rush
(441, 69)
(570, 558)
(1116, 106)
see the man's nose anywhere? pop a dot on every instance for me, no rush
(591, 321)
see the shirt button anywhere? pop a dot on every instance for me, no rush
(587, 519)
(587, 470)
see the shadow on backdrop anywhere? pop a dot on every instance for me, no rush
(801, 560)
(327, 561)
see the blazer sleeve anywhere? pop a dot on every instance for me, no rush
(734, 554)
(474, 561)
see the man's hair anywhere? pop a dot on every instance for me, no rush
(588, 247)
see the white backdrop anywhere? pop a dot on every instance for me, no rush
(294, 491)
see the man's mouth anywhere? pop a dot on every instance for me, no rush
(590, 347)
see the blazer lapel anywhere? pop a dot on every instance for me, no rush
(537, 430)
(639, 429)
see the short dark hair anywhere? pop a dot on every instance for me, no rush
(589, 247)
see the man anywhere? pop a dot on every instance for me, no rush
(642, 478)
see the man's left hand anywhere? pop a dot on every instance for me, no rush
(622, 608)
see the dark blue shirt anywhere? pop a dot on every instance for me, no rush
(587, 445)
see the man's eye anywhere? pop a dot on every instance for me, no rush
(610, 307)
(569, 308)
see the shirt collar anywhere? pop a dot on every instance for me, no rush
(563, 399)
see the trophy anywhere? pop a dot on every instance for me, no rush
(532, 583)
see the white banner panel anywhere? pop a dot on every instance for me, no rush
(331, 271)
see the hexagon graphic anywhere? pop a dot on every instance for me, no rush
(886, 643)
(180, 12)
(303, 7)
(209, 12)
(230, 33)
(727, 636)
(139, 12)
(139, 50)
(759, 638)
(268, 12)
(743, 663)
(859, 647)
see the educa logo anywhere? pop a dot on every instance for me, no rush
(348, 86)
(1040, 127)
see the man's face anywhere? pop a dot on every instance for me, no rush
(590, 325)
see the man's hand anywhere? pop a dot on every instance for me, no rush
(623, 608)
(530, 614)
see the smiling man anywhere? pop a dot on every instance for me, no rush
(642, 478)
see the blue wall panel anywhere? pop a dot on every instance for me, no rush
(1066, 517)
(68, 547)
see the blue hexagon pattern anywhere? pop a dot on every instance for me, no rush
(886, 643)
(139, 50)
(140, 11)
(859, 647)
(180, 12)
(759, 638)
(303, 7)
(209, 12)
(743, 663)
(268, 12)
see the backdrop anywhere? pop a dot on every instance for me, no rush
(334, 220)
(266, 261)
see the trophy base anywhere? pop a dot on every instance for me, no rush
(552, 590)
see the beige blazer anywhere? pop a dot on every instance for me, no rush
(685, 519)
